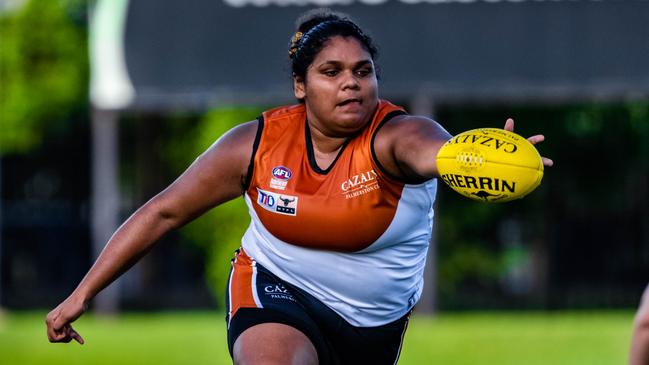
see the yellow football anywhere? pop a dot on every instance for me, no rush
(490, 165)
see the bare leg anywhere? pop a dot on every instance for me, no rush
(273, 343)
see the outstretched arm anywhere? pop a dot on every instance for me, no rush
(639, 354)
(214, 178)
(407, 147)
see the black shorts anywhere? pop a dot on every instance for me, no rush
(256, 296)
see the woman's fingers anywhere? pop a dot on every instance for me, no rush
(536, 139)
(65, 335)
(509, 126)
(53, 333)
(74, 335)
(547, 162)
(59, 328)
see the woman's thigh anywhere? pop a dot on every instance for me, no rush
(273, 343)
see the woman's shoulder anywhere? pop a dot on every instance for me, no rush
(397, 120)
(409, 130)
(388, 109)
(406, 146)
(284, 112)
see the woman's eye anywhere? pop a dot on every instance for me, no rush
(330, 73)
(364, 72)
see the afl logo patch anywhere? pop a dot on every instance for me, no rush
(282, 173)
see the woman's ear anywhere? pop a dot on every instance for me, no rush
(299, 88)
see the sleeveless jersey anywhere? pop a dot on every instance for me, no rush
(349, 235)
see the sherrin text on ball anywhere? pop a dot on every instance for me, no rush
(490, 165)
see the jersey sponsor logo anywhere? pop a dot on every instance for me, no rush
(278, 291)
(359, 184)
(281, 175)
(277, 203)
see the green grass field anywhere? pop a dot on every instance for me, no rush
(501, 338)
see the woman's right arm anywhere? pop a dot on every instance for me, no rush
(215, 177)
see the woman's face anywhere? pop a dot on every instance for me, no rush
(340, 90)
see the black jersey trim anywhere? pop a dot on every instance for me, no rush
(386, 119)
(255, 146)
(311, 154)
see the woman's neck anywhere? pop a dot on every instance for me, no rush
(324, 144)
(325, 147)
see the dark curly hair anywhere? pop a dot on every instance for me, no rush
(314, 29)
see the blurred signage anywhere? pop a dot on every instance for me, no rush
(195, 54)
(321, 3)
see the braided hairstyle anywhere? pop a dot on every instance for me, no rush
(314, 29)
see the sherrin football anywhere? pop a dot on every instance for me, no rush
(490, 165)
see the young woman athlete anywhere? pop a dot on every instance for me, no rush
(340, 189)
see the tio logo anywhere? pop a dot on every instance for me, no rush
(266, 199)
(276, 203)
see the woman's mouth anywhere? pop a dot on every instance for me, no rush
(350, 101)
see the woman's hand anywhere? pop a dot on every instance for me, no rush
(509, 126)
(58, 321)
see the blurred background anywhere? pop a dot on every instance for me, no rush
(104, 103)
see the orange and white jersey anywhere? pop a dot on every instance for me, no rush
(350, 235)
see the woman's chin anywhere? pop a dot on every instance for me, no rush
(349, 124)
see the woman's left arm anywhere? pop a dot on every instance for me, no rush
(407, 146)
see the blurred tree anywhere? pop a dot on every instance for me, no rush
(43, 70)
(43, 73)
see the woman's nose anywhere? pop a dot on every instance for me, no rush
(350, 81)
